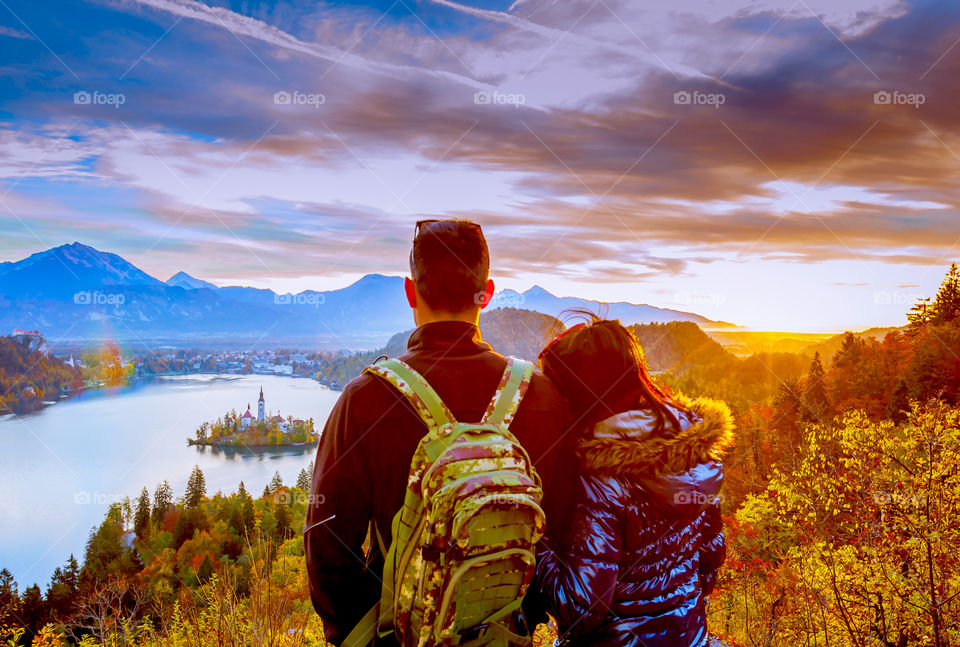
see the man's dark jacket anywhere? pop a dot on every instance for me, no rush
(364, 458)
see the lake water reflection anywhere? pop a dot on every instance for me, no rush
(60, 468)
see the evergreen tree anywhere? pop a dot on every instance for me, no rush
(141, 518)
(899, 403)
(34, 609)
(196, 488)
(62, 592)
(303, 481)
(815, 403)
(205, 570)
(276, 482)
(188, 523)
(266, 492)
(788, 395)
(946, 306)
(851, 351)
(282, 530)
(247, 515)
(242, 517)
(162, 500)
(107, 554)
(920, 315)
(9, 599)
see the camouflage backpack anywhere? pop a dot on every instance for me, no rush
(462, 556)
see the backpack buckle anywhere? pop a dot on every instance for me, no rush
(431, 553)
(473, 633)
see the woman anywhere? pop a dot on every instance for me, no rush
(645, 537)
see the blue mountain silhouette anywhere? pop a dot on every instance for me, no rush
(77, 293)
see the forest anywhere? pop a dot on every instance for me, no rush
(28, 377)
(840, 508)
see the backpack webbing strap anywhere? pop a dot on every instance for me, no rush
(496, 624)
(362, 635)
(513, 385)
(416, 389)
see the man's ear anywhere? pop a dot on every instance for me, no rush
(411, 290)
(487, 294)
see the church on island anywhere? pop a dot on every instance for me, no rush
(247, 419)
(251, 430)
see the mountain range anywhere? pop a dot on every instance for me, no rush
(75, 293)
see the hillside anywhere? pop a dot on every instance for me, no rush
(509, 331)
(678, 346)
(28, 376)
(687, 359)
(829, 347)
(536, 298)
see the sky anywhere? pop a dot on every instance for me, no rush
(779, 164)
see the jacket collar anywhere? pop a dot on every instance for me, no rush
(449, 336)
(625, 444)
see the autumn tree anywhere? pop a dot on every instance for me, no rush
(861, 532)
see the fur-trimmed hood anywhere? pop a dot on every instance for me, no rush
(681, 468)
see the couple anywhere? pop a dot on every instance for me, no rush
(629, 478)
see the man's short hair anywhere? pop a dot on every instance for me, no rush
(450, 264)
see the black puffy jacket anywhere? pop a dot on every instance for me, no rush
(645, 538)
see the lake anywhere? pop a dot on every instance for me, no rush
(60, 468)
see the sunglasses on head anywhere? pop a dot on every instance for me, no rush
(421, 224)
(556, 340)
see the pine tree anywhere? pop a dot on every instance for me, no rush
(62, 592)
(899, 403)
(283, 523)
(266, 492)
(276, 482)
(9, 599)
(851, 350)
(35, 611)
(815, 402)
(247, 516)
(141, 518)
(788, 394)
(205, 570)
(196, 488)
(946, 306)
(920, 315)
(303, 481)
(162, 500)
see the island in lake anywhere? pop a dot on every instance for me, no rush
(247, 430)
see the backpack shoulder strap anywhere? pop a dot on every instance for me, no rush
(415, 388)
(513, 385)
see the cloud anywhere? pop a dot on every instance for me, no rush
(556, 35)
(611, 179)
(242, 25)
(15, 33)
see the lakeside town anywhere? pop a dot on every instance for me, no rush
(55, 374)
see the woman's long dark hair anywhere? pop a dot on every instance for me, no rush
(600, 368)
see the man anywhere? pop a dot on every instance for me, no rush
(370, 437)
